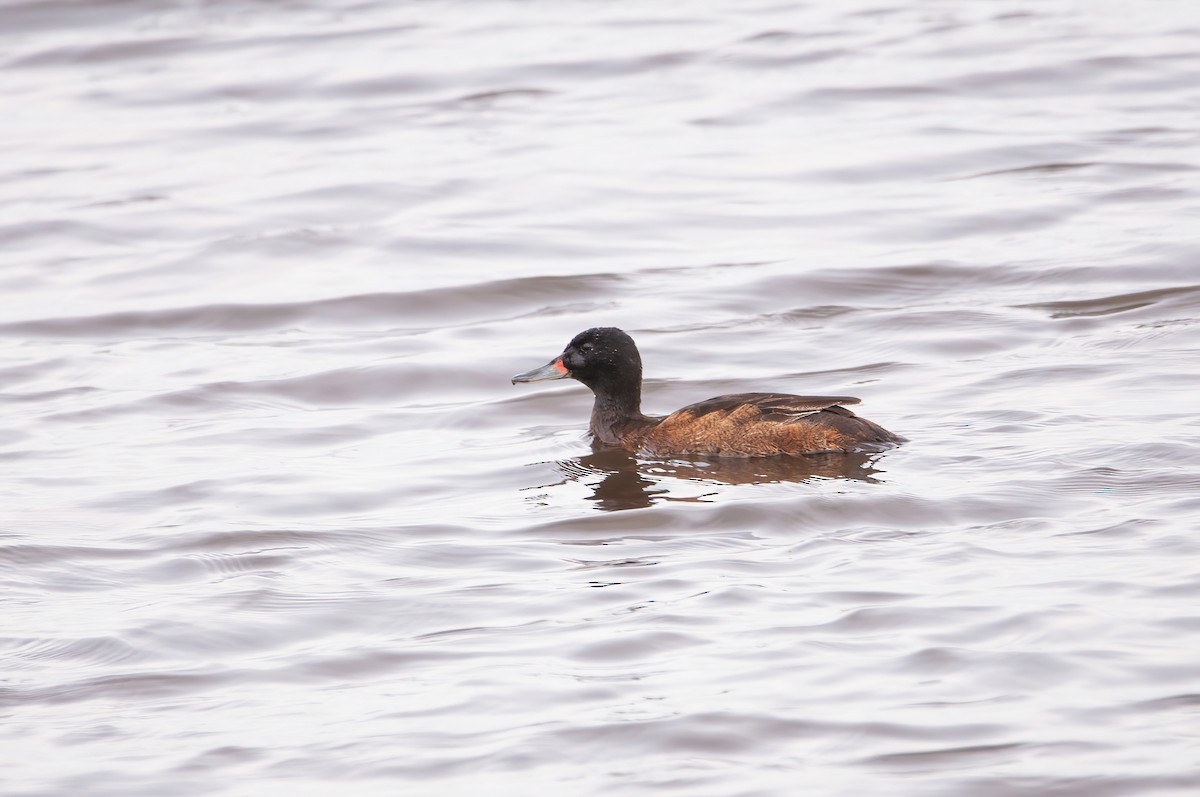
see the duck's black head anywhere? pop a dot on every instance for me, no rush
(603, 358)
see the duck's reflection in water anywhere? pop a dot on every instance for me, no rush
(620, 481)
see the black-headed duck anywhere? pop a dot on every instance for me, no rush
(740, 425)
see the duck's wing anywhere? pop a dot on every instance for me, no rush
(771, 407)
(762, 424)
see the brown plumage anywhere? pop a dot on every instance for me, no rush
(741, 425)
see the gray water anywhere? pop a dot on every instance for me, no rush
(274, 520)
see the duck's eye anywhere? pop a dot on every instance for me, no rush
(587, 348)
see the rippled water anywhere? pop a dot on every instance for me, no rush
(275, 521)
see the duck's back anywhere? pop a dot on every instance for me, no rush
(764, 424)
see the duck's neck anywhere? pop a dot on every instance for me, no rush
(616, 412)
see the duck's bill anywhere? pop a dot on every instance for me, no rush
(551, 370)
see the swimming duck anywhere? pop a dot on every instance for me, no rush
(739, 425)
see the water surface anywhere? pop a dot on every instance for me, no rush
(274, 519)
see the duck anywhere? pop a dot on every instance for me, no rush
(738, 425)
